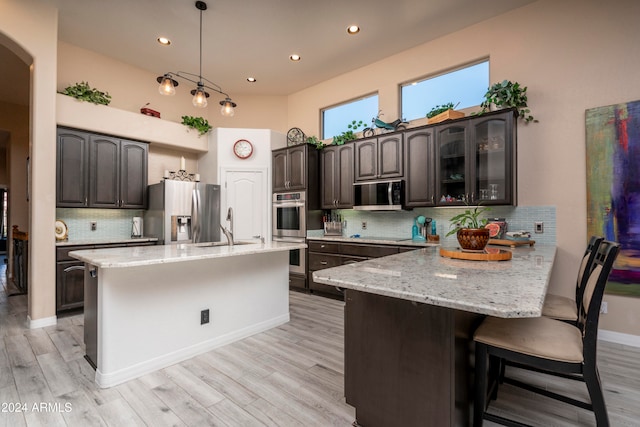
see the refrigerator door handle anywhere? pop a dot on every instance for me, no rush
(195, 216)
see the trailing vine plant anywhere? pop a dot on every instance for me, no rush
(198, 123)
(84, 92)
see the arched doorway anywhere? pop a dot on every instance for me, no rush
(14, 151)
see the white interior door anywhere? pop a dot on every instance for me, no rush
(246, 191)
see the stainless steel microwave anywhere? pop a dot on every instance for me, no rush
(378, 195)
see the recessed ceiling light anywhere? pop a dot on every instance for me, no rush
(353, 29)
(251, 79)
(295, 57)
(164, 41)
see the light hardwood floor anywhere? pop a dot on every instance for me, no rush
(289, 376)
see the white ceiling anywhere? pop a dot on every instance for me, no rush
(255, 37)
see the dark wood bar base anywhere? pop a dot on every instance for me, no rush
(407, 363)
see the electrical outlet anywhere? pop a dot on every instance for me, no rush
(539, 227)
(604, 307)
(364, 225)
(94, 225)
(204, 316)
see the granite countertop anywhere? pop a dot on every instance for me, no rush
(376, 240)
(514, 288)
(124, 240)
(135, 256)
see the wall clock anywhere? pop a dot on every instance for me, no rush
(243, 149)
(295, 136)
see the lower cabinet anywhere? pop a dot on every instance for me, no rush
(70, 275)
(324, 254)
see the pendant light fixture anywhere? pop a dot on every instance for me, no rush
(168, 81)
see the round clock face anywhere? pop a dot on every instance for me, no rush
(295, 136)
(243, 149)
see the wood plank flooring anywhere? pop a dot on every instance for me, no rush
(288, 376)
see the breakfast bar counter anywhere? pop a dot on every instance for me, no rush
(149, 307)
(409, 322)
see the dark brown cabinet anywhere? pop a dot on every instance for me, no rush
(336, 166)
(70, 274)
(419, 167)
(72, 178)
(291, 166)
(492, 167)
(69, 279)
(325, 254)
(381, 157)
(117, 173)
(475, 160)
(100, 171)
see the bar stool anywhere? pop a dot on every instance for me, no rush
(547, 346)
(565, 308)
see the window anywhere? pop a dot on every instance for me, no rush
(465, 86)
(336, 119)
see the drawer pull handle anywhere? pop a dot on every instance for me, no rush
(323, 262)
(74, 267)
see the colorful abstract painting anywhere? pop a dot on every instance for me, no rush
(613, 188)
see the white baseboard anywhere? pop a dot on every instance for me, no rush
(41, 323)
(619, 338)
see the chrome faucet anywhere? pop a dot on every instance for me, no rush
(228, 233)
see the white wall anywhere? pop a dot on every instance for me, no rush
(29, 28)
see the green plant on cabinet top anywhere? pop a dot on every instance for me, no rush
(349, 134)
(198, 123)
(508, 94)
(441, 109)
(84, 92)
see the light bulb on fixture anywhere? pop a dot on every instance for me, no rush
(199, 96)
(167, 85)
(227, 107)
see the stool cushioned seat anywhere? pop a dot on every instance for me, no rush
(535, 336)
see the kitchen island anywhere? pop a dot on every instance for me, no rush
(152, 306)
(409, 322)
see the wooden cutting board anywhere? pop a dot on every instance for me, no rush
(491, 254)
(511, 243)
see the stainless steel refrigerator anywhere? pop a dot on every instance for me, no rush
(181, 212)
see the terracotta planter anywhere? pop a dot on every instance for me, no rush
(473, 239)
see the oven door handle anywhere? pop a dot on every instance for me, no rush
(288, 205)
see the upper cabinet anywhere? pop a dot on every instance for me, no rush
(380, 157)
(99, 171)
(297, 168)
(419, 167)
(336, 166)
(290, 168)
(475, 161)
(72, 178)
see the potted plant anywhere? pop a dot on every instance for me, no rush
(198, 123)
(349, 134)
(508, 94)
(313, 140)
(443, 112)
(470, 230)
(84, 92)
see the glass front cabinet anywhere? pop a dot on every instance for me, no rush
(475, 161)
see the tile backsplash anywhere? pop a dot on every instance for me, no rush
(111, 223)
(397, 224)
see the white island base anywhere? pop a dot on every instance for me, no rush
(147, 317)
